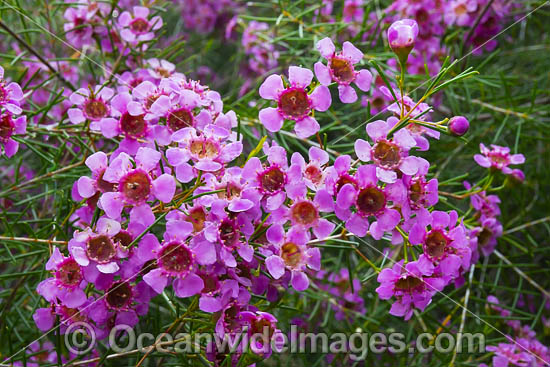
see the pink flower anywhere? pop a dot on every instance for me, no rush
(92, 106)
(136, 186)
(79, 28)
(402, 36)
(341, 69)
(411, 284)
(292, 254)
(498, 158)
(293, 102)
(389, 155)
(369, 200)
(136, 27)
(312, 173)
(8, 128)
(11, 95)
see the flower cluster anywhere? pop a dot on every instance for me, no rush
(12, 122)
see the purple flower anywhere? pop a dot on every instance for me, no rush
(97, 249)
(304, 213)
(9, 127)
(402, 37)
(446, 247)
(498, 158)
(136, 186)
(340, 68)
(78, 28)
(176, 260)
(292, 254)
(135, 27)
(411, 284)
(369, 200)
(270, 181)
(461, 12)
(11, 95)
(312, 173)
(67, 283)
(389, 155)
(293, 102)
(92, 106)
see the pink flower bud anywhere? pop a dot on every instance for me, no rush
(458, 125)
(402, 36)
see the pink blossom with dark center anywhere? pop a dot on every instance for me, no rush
(11, 95)
(411, 284)
(293, 102)
(369, 200)
(9, 127)
(341, 69)
(388, 154)
(292, 254)
(498, 158)
(92, 106)
(312, 173)
(136, 27)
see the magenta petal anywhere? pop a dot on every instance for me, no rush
(352, 52)
(314, 258)
(416, 234)
(86, 187)
(306, 127)
(96, 161)
(346, 196)
(246, 252)
(362, 149)
(142, 214)
(209, 304)
(482, 160)
(517, 159)
(178, 229)
(385, 175)
(409, 165)
(271, 119)
(271, 87)
(72, 299)
(363, 80)
(76, 116)
(148, 247)
(164, 187)
(79, 255)
(275, 266)
(324, 200)
(321, 98)
(347, 93)
(299, 77)
(10, 147)
(326, 47)
(205, 252)
(108, 268)
(185, 173)
(44, 319)
(188, 286)
(389, 219)
(275, 234)
(299, 281)
(323, 229)
(240, 205)
(322, 73)
(111, 204)
(156, 280)
(147, 158)
(357, 225)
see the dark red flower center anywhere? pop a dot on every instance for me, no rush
(294, 103)
(313, 173)
(179, 119)
(409, 284)
(342, 180)
(136, 186)
(370, 200)
(95, 109)
(210, 283)
(261, 323)
(100, 248)
(416, 192)
(272, 180)
(7, 126)
(124, 238)
(133, 126)
(342, 70)
(105, 186)
(304, 213)
(197, 217)
(484, 237)
(139, 26)
(119, 296)
(291, 254)
(228, 233)
(176, 258)
(435, 244)
(69, 273)
(387, 154)
(203, 148)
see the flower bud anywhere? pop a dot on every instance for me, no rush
(402, 36)
(458, 125)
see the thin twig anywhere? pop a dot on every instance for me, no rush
(37, 54)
